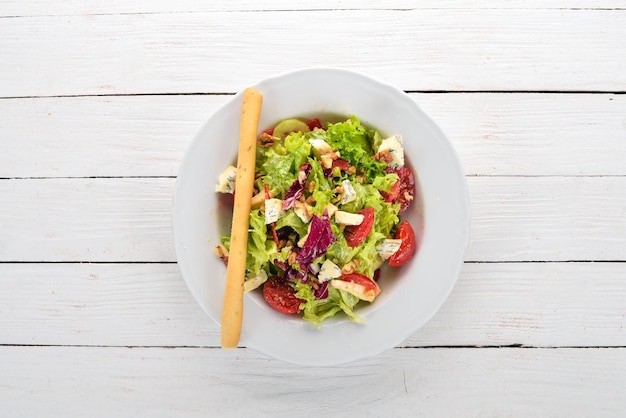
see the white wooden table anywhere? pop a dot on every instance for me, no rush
(100, 99)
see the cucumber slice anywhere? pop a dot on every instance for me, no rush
(288, 126)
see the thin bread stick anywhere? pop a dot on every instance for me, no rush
(232, 311)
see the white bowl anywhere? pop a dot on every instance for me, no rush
(410, 295)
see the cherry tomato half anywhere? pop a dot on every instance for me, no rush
(359, 279)
(365, 288)
(280, 296)
(356, 234)
(403, 190)
(407, 247)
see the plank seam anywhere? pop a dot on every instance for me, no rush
(434, 91)
(418, 347)
(380, 9)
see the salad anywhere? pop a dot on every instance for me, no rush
(325, 216)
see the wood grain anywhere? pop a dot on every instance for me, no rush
(430, 49)
(547, 219)
(410, 382)
(86, 220)
(17, 8)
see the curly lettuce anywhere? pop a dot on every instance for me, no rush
(317, 311)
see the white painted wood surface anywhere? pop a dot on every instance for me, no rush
(165, 382)
(99, 101)
(430, 49)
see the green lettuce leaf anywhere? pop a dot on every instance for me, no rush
(279, 164)
(291, 219)
(322, 191)
(318, 310)
(369, 259)
(384, 183)
(354, 143)
(260, 249)
(298, 146)
(340, 252)
(278, 170)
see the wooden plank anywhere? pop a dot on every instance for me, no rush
(100, 304)
(127, 219)
(16, 8)
(533, 134)
(101, 136)
(484, 49)
(86, 220)
(430, 382)
(494, 134)
(547, 218)
(531, 304)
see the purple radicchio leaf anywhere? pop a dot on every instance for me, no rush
(297, 187)
(319, 239)
(322, 292)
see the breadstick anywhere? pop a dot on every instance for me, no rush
(232, 311)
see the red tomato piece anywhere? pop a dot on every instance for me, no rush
(365, 288)
(407, 247)
(403, 190)
(356, 234)
(359, 279)
(269, 131)
(393, 194)
(314, 124)
(280, 296)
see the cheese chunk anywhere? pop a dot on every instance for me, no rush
(320, 147)
(356, 289)
(347, 218)
(331, 209)
(303, 210)
(394, 146)
(254, 282)
(388, 247)
(273, 210)
(328, 271)
(226, 180)
(348, 195)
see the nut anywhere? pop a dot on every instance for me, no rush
(266, 140)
